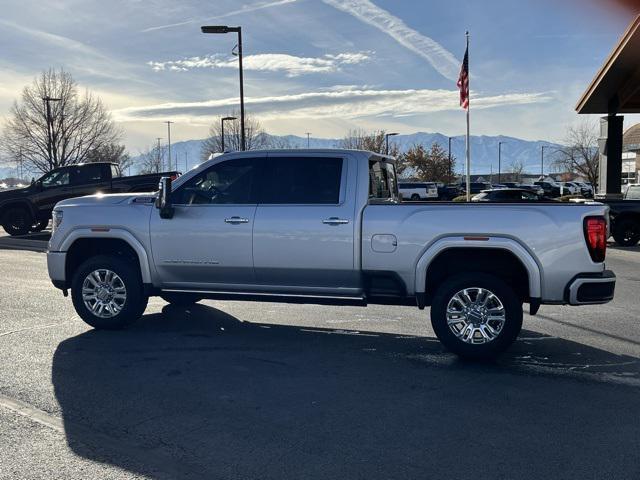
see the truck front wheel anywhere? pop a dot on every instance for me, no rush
(476, 315)
(17, 221)
(107, 293)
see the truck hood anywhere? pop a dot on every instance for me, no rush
(102, 200)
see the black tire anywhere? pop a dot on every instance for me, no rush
(180, 299)
(17, 220)
(134, 304)
(511, 302)
(626, 232)
(415, 197)
(39, 226)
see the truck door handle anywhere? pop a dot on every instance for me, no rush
(335, 221)
(236, 220)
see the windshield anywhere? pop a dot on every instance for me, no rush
(55, 178)
(633, 193)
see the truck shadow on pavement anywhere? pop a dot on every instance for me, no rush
(196, 393)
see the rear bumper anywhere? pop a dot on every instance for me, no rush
(591, 289)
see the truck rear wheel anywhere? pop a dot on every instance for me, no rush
(476, 315)
(107, 293)
(626, 232)
(17, 220)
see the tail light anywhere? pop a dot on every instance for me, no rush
(595, 233)
(174, 176)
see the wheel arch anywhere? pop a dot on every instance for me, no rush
(452, 252)
(17, 202)
(84, 243)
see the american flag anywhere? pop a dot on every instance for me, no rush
(463, 81)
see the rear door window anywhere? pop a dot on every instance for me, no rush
(301, 181)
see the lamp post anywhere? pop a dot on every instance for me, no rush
(386, 141)
(308, 136)
(222, 29)
(224, 119)
(159, 157)
(449, 157)
(500, 160)
(169, 142)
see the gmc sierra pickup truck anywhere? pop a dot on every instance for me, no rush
(327, 226)
(28, 209)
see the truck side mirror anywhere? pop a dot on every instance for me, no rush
(163, 201)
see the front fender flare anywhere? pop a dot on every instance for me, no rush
(528, 261)
(117, 233)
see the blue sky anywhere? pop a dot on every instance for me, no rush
(320, 66)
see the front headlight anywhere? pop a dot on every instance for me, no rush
(56, 219)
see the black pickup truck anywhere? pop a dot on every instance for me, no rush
(29, 209)
(625, 217)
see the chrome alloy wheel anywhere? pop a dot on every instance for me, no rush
(475, 315)
(104, 293)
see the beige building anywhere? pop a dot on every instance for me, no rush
(631, 155)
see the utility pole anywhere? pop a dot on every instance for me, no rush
(159, 158)
(186, 163)
(47, 100)
(542, 163)
(308, 134)
(449, 155)
(499, 160)
(169, 143)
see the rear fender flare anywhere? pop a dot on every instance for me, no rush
(521, 253)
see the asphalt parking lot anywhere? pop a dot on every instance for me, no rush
(271, 391)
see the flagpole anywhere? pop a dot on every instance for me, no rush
(468, 145)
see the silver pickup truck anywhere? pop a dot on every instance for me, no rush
(327, 227)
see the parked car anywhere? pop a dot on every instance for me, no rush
(418, 190)
(477, 187)
(570, 188)
(24, 210)
(525, 186)
(551, 189)
(450, 191)
(585, 189)
(327, 227)
(506, 195)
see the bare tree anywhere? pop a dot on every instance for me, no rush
(372, 141)
(255, 137)
(516, 170)
(429, 165)
(152, 160)
(75, 126)
(580, 155)
(110, 152)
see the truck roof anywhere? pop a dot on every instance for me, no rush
(305, 151)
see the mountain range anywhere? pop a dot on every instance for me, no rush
(484, 151)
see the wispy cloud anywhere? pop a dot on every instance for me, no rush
(270, 62)
(439, 57)
(348, 103)
(244, 9)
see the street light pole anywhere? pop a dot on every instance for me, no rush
(386, 141)
(221, 29)
(159, 158)
(169, 139)
(542, 163)
(308, 135)
(449, 156)
(224, 119)
(499, 160)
